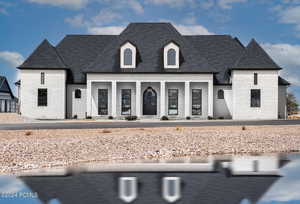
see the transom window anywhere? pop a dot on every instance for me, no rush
(77, 93)
(128, 57)
(42, 97)
(196, 102)
(173, 102)
(126, 102)
(220, 94)
(255, 98)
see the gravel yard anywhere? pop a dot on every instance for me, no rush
(35, 149)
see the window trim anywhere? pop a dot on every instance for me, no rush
(168, 47)
(39, 102)
(177, 101)
(177, 190)
(130, 108)
(252, 92)
(196, 104)
(218, 94)
(130, 46)
(122, 190)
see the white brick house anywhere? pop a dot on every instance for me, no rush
(150, 70)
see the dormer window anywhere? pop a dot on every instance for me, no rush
(171, 56)
(128, 56)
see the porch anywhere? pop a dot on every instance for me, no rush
(150, 98)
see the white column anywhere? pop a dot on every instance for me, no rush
(89, 98)
(162, 98)
(210, 98)
(138, 98)
(114, 99)
(187, 106)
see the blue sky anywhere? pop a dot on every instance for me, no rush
(275, 24)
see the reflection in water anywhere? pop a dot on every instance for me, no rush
(251, 179)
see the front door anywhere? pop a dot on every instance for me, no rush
(149, 102)
(102, 102)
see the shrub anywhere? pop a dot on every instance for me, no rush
(164, 118)
(110, 117)
(27, 133)
(106, 131)
(221, 118)
(88, 117)
(188, 117)
(243, 128)
(131, 118)
(210, 118)
(75, 117)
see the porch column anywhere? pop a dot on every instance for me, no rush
(210, 98)
(89, 98)
(187, 107)
(114, 99)
(162, 98)
(138, 98)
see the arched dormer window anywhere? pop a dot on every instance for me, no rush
(221, 94)
(128, 55)
(171, 56)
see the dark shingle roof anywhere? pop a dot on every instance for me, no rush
(78, 51)
(45, 56)
(150, 39)
(254, 57)
(4, 86)
(218, 54)
(282, 81)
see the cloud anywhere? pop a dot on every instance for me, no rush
(286, 56)
(106, 16)
(289, 15)
(76, 21)
(12, 59)
(73, 4)
(227, 4)
(10, 185)
(172, 3)
(134, 5)
(106, 30)
(195, 29)
(3, 11)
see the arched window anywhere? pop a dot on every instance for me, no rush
(77, 93)
(221, 94)
(171, 57)
(128, 56)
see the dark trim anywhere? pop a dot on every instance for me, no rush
(258, 69)
(222, 84)
(31, 68)
(150, 72)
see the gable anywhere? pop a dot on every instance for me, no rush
(4, 86)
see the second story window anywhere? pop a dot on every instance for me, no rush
(77, 93)
(221, 94)
(255, 78)
(43, 78)
(128, 56)
(171, 56)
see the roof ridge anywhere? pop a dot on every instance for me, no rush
(88, 35)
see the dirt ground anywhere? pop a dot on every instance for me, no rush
(35, 149)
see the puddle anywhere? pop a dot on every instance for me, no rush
(249, 179)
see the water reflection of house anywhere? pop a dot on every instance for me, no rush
(206, 183)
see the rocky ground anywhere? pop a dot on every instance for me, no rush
(35, 149)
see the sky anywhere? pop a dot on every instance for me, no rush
(275, 24)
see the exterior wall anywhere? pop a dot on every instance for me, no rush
(6, 100)
(223, 107)
(242, 83)
(282, 93)
(76, 106)
(125, 85)
(204, 87)
(55, 82)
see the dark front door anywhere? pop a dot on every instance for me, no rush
(102, 101)
(149, 102)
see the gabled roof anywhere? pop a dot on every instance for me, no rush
(282, 81)
(150, 39)
(4, 86)
(45, 56)
(254, 57)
